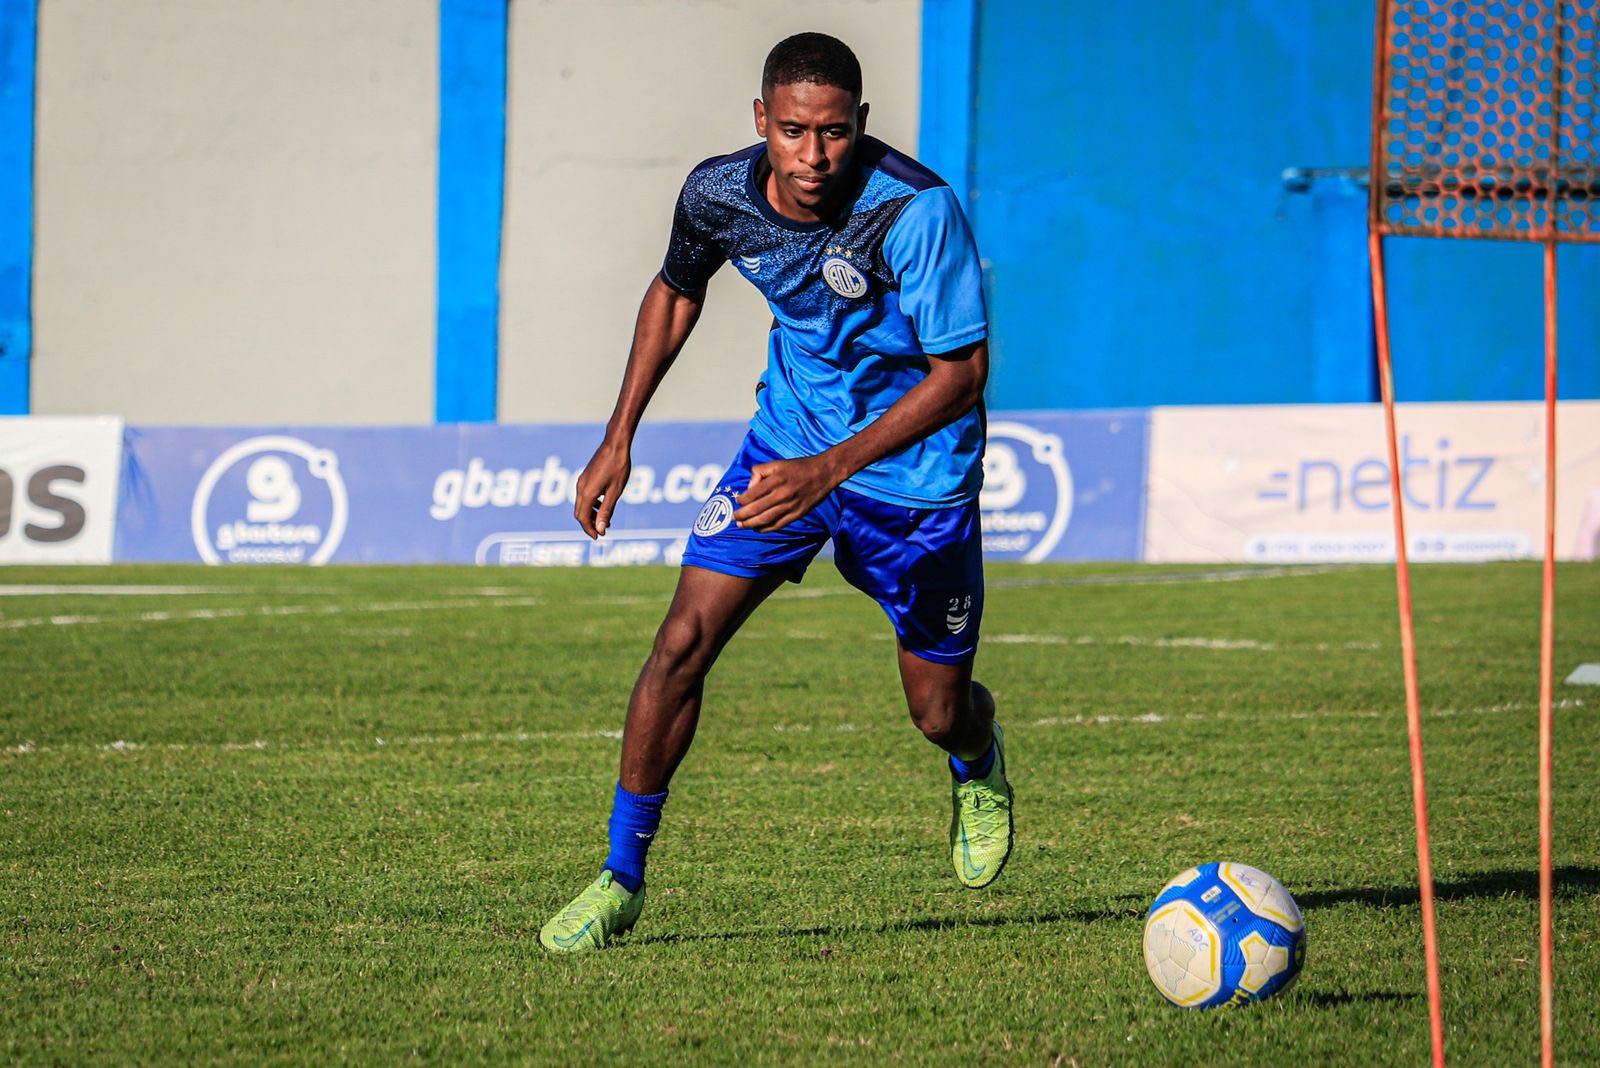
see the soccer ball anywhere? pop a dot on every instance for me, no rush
(1221, 935)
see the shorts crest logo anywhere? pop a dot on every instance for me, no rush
(715, 516)
(843, 278)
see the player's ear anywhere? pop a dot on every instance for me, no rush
(761, 118)
(861, 118)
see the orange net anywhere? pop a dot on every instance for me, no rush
(1486, 120)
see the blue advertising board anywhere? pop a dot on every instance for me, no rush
(1058, 486)
(1065, 485)
(463, 493)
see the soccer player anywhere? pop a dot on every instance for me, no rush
(869, 430)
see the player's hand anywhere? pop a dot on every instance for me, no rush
(782, 491)
(600, 487)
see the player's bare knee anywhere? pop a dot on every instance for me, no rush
(938, 713)
(682, 649)
(941, 732)
(949, 716)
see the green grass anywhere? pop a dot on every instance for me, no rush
(320, 814)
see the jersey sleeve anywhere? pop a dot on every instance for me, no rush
(930, 250)
(692, 252)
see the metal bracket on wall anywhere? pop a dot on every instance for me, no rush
(1301, 179)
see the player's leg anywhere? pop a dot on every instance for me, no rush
(956, 713)
(728, 571)
(925, 568)
(707, 609)
(952, 711)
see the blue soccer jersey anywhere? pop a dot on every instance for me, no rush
(860, 301)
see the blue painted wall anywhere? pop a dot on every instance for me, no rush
(949, 70)
(1128, 193)
(18, 19)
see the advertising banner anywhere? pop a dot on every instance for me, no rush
(58, 488)
(460, 493)
(1059, 486)
(1064, 485)
(1311, 483)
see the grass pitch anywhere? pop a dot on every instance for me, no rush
(310, 815)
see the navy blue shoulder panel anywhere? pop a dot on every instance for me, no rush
(873, 155)
(897, 165)
(732, 157)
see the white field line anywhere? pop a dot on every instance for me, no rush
(1158, 577)
(432, 741)
(1119, 579)
(1178, 643)
(1369, 713)
(1220, 644)
(1128, 578)
(269, 610)
(497, 596)
(69, 590)
(259, 745)
(1224, 644)
(109, 591)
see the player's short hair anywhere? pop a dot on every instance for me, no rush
(815, 58)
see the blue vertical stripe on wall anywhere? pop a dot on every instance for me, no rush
(18, 25)
(949, 52)
(472, 143)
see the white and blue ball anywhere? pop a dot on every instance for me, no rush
(1223, 934)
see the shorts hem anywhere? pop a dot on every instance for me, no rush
(938, 657)
(723, 568)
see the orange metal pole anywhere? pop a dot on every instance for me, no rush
(1408, 651)
(1547, 635)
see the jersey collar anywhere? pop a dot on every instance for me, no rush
(755, 189)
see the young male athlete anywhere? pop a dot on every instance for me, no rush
(869, 431)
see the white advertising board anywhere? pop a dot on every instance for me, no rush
(1310, 483)
(58, 488)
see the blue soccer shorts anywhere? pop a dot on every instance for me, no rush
(924, 566)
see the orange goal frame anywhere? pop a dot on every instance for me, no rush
(1483, 126)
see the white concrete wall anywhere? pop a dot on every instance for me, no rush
(235, 199)
(235, 210)
(611, 103)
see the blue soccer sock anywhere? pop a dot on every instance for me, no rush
(634, 819)
(967, 770)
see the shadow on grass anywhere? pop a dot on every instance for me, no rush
(926, 923)
(1329, 999)
(1569, 882)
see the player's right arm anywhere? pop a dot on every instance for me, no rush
(666, 317)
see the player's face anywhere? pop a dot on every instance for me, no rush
(811, 132)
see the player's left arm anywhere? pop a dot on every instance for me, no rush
(782, 491)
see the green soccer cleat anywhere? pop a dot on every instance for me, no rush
(603, 911)
(980, 822)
